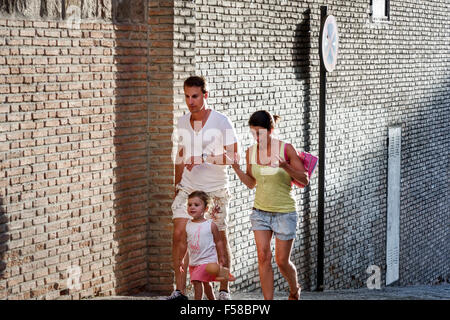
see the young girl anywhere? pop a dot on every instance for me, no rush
(204, 245)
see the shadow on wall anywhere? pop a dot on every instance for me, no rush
(358, 205)
(4, 237)
(302, 68)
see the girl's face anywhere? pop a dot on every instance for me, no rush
(196, 207)
(260, 134)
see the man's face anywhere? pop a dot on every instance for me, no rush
(194, 98)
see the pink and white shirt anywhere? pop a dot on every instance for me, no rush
(200, 240)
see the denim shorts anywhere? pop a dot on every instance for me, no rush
(283, 225)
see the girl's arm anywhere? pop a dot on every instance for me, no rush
(245, 177)
(295, 166)
(220, 245)
(182, 248)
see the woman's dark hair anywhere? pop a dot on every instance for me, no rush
(201, 195)
(263, 119)
(196, 81)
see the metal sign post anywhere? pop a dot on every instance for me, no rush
(328, 48)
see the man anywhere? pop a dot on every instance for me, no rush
(207, 143)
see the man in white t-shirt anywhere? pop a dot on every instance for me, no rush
(207, 143)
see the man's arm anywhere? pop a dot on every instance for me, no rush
(179, 167)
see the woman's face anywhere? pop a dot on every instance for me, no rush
(260, 134)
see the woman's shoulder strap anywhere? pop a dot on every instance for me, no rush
(283, 151)
(252, 151)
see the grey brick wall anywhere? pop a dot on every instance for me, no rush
(74, 183)
(87, 112)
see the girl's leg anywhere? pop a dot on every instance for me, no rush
(283, 250)
(198, 290)
(209, 292)
(262, 239)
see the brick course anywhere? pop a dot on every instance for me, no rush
(87, 113)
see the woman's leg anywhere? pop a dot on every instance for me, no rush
(209, 292)
(262, 239)
(283, 250)
(198, 290)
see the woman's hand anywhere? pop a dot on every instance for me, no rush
(235, 161)
(295, 166)
(281, 163)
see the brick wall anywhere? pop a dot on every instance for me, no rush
(264, 55)
(87, 113)
(161, 122)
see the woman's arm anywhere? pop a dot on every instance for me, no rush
(245, 177)
(295, 166)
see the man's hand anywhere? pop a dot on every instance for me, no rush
(215, 208)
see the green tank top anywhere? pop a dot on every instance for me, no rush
(273, 186)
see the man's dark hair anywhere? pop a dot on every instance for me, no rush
(196, 81)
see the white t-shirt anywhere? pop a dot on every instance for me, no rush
(201, 245)
(217, 133)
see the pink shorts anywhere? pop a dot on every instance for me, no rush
(199, 273)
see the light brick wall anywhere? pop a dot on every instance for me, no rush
(86, 118)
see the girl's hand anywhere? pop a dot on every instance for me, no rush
(181, 263)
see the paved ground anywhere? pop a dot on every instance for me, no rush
(435, 292)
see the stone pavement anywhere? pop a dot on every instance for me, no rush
(421, 292)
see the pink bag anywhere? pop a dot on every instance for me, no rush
(309, 162)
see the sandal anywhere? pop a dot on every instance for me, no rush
(295, 295)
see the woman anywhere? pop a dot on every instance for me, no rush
(271, 166)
